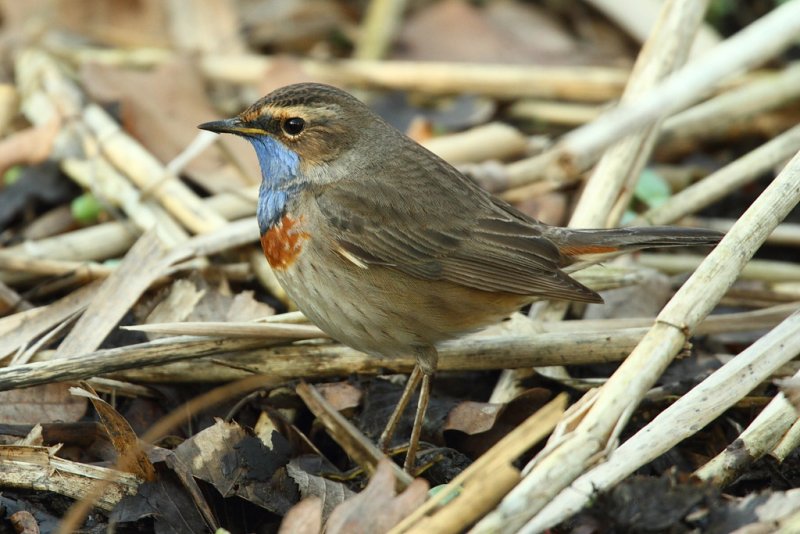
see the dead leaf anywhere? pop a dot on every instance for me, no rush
(244, 307)
(480, 425)
(161, 108)
(330, 492)
(24, 522)
(473, 417)
(196, 300)
(40, 404)
(341, 395)
(535, 29)
(166, 502)
(238, 463)
(304, 517)
(272, 421)
(122, 436)
(30, 146)
(378, 508)
(178, 303)
(511, 32)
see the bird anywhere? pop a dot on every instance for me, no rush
(390, 249)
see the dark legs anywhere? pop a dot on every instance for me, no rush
(427, 358)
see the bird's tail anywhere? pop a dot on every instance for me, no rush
(578, 245)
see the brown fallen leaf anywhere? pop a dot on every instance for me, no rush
(161, 108)
(304, 517)
(473, 417)
(122, 436)
(480, 425)
(29, 146)
(378, 508)
(40, 404)
(341, 395)
(24, 522)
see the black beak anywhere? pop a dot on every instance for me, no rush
(232, 126)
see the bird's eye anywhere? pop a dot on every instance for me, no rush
(293, 125)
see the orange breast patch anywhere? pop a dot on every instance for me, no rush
(283, 243)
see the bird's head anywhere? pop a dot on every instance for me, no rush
(298, 130)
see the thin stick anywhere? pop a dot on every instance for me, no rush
(591, 84)
(232, 330)
(358, 447)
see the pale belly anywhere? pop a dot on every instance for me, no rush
(382, 311)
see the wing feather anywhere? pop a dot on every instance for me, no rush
(429, 229)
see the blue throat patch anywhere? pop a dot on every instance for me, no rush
(279, 168)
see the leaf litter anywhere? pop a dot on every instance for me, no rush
(260, 460)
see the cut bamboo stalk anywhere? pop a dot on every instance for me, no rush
(758, 439)
(294, 361)
(590, 84)
(765, 270)
(733, 107)
(726, 180)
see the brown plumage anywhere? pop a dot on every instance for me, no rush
(392, 249)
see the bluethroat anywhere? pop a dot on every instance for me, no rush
(390, 249)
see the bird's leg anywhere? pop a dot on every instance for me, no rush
(427, 360)
(411, 385)
(419, 419)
